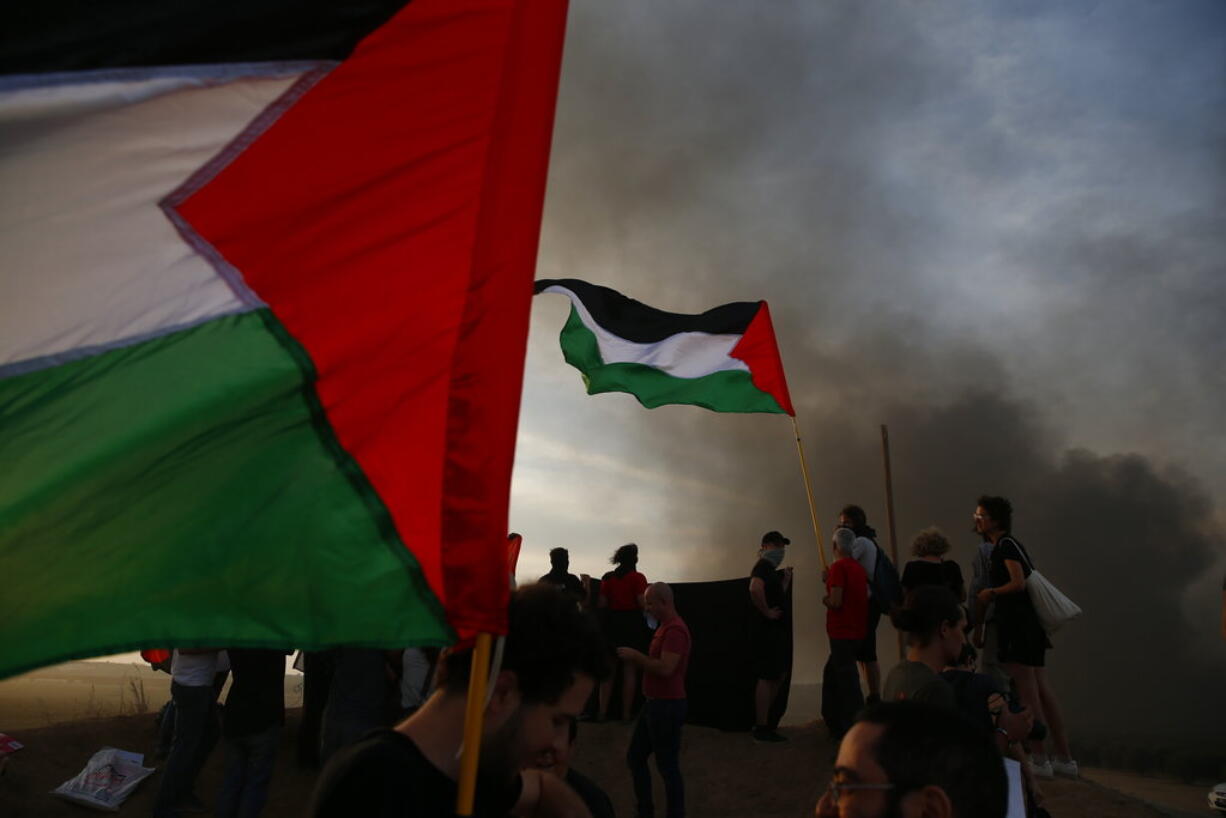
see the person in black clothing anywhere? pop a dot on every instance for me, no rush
(1022, 642)
(930, 566)
(559, 575)
(767, 592)
(552, 657)
(251, 730)
(557, 761)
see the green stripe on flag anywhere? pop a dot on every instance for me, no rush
(188, 491)
(725, 391)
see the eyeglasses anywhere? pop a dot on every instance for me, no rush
(980, 516)
(836, 789)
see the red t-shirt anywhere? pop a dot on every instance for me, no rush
(623, 592)
(672, 636)
(850, 621)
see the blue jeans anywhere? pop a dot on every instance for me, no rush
(658, 730)
(249, 764)
(195, 734)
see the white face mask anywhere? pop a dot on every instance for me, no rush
(773, 555)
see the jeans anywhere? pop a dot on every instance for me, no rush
(658, 730)
(841, 696)
(249, 764)
(195, 734)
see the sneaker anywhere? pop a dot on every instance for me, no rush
(1068, 769)
(765, 735)
(1041, 769)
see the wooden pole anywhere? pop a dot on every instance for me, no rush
(889, 514)
(474, 716)
(804, 470)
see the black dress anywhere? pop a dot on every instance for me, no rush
(1020, 636)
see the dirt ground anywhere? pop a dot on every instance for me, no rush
(726, 773)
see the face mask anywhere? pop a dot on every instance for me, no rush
(773, 555)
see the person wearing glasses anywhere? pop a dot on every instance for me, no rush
(1022, 644)
(911, 759)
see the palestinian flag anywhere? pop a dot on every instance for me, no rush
(724, 359)
(263, 316)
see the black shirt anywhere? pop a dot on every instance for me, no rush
(256, 700)
(569, 583)
(385, 775)
(924, 572)
(597, 800)
(772, 581)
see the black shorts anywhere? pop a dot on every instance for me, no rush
(770, 653)
(866, 651)
(1020, 639)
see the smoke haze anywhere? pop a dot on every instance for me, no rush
(998, 231)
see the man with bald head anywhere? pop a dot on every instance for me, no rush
(658, 729)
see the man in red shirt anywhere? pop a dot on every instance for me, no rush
(658, 728)
(846, 604)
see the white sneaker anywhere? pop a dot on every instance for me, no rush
(1068, 769)
(1042, 769)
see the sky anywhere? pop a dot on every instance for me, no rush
(998, 228)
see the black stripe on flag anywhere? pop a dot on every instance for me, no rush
(637, 322)
(82, 35)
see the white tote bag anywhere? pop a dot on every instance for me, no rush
(1054, 608)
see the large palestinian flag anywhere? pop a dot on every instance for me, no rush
(725, 359)
(263, 308)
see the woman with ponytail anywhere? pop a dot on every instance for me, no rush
(622, 604)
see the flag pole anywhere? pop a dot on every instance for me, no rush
(804, 470)
(474, 713)
(889, 514)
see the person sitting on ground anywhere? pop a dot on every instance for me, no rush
(557, 761)
(559, 575)
(621, 600)
(910, 759)
(552, 657)
(846, 602)
(930, 566)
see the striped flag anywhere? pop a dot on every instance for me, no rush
(263, 313)
(725, 359)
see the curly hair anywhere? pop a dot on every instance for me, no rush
(999, 509)
(929, 543)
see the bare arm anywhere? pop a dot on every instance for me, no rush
(757, 595)
(663, 666)
(834, 599)
(1016, 583)
(546, 795)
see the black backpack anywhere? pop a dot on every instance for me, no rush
(887, 587)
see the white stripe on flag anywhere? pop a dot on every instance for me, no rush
(89, 258)
(684, 355)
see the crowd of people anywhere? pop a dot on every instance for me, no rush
(386, 727)
(977, 657)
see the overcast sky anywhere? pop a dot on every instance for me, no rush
(999, 228)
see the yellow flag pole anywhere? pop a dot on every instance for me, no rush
(804, 470)
(474, 714)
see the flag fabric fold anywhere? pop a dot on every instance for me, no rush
(725, 359)
(247, 393)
